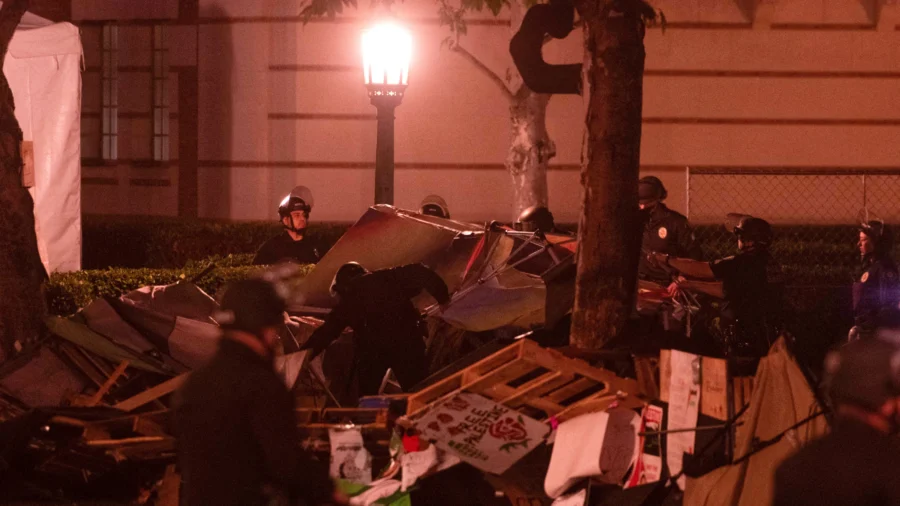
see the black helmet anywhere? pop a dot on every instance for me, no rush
(880, 233)
(651, 188)
(251, 305)
(434, 205)
(300, 199)
(864, 373)
(347, 273)
(753, 229)
(536, 218)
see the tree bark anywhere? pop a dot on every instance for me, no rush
(21, 272)
(609, 235)
(530, 150)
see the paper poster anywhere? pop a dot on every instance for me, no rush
(481, 432)
(574, 499)
(648, 468)
(684, 406)
(349, 458)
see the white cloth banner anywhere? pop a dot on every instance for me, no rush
(43, 68)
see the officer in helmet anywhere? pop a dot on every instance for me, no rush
(234, 417)
(876, 292)
(750, 284)
(434, 205)
(387, 328)
(857, 461)
(292, 244)
(665, 231)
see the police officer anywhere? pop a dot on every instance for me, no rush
(876, 292)
(856, 463)
(291, 245)
(434, 205)
(387, 328)
(234, 418)
(665, 231)
(750, 284)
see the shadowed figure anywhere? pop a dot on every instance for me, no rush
(21, 272)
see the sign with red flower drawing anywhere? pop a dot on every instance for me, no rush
(487, 435)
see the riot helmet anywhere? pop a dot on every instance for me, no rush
(434, 205)
(300, 199)
(348, 272)
(251, 305)
(755, 230)
(536, 218)
(650, 190)
(880, 234)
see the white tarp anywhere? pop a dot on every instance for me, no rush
(43, 68)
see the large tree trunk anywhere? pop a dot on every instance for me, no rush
(609, 235)
(21, 271)
(530, 150)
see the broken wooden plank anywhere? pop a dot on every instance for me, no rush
(147, 396)
(113, 378)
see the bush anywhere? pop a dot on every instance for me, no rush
(67, 292)
(168, 242)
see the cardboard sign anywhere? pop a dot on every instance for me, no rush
(349, 458)
(648, 468)
(684, 408)
(481, 432)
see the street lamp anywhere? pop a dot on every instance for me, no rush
(386, 50)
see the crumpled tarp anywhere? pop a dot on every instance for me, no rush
(781, 398)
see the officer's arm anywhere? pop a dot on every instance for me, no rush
(692, 268)
(331, 329)
(264, 255)
(271, 416)
(418, 278)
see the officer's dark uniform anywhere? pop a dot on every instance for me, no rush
(387, 327)
(282, 248)
(237, 432)
(876, 294)
(855, 463)
(665, 231)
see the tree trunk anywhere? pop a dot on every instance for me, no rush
(609, 235)
(530, 150)
(21, 271)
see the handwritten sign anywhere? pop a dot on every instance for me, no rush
(481, 432)
(648, 468)
(684, 407)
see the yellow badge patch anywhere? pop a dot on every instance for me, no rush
(663, 232)
(865, 277)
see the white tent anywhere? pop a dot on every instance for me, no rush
(43, 67)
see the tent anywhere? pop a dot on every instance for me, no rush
(43, 68)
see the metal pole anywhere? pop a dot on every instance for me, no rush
(384, 150)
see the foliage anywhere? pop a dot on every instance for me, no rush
(67, 292)
(168, 242)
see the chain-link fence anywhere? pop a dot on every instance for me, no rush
(814, 214)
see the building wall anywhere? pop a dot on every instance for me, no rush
(803, 84)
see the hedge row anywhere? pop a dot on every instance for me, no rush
(168, 242)
(67, 292)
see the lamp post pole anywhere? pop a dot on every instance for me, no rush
(386, 55)
(384, 147)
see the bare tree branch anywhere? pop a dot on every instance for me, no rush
(454, 46)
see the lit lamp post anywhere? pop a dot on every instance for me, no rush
(386, 50)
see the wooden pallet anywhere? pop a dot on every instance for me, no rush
(537, 381)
